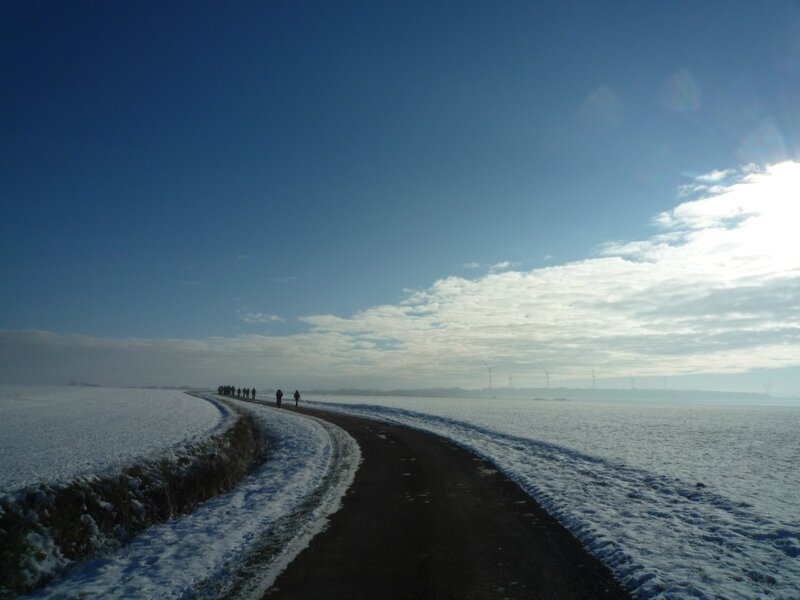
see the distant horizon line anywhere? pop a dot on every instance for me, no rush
(511, 391)
(456, 391)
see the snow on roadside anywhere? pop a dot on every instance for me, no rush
(238, 542)
(52, 434)
(664, 536)
(47, 527)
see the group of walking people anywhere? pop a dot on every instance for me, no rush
(233, 391)
(250, 394)
(279, 397)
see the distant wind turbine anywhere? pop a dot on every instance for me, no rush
(594, 383)
(547, 376)
(490, 373)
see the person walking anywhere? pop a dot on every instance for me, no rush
(296, 398)
(278, 396)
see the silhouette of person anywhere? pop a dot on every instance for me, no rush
(253, 392)
(296, 398)
(278, 396)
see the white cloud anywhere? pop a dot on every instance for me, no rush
(714, 290)
(472, 265)
(257, 317)
(716, 175)
(711, 292)
(501, 266)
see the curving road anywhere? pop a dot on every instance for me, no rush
(427, 519)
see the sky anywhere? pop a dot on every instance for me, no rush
(382, 195)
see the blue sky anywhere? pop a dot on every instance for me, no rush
(262, 180)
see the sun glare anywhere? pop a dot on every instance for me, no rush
(772, 199)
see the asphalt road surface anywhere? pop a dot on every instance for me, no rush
(427, 519)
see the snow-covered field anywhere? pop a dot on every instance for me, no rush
(235, 543)
(680, 501)
(54, 434)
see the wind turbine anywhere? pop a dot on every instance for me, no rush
(547, 376)
(490, 373)
(594, 383)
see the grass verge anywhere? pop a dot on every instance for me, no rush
(46, 529)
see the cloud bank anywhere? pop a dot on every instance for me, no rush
(714, 290)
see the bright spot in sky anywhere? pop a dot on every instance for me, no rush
(759, 212)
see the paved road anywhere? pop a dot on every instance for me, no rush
(426, 519)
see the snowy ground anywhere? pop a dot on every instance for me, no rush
(679, 501)
(54, 434)
(238, 542)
